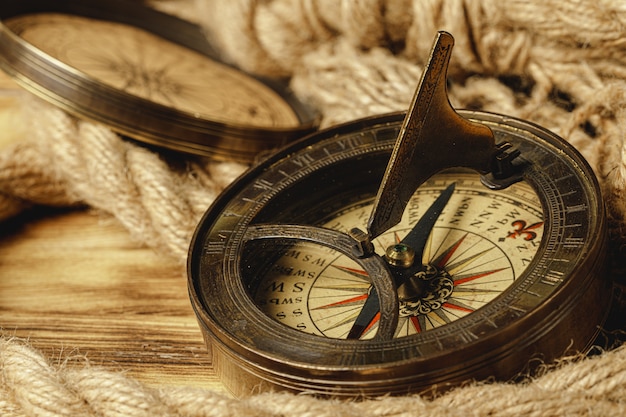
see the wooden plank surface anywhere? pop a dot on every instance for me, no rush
(77, 286)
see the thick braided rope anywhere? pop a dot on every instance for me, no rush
(31, 386)
(86, 163)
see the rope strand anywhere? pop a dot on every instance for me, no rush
(31, 386)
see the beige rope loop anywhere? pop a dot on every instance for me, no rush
(23, 180)
(67, 162)
(31, 386)
(46, 393)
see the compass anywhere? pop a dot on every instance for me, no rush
(403, 253)
(147, 75)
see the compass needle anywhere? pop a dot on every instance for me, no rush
(416, 239)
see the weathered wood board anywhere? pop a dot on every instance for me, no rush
(77, 286)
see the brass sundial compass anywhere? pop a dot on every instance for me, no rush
(147, 75)
(402, 253)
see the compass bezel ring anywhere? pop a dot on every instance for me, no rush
(541, 315)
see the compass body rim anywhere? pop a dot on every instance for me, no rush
(245, 369)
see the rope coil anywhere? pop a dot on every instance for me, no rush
(594, 386)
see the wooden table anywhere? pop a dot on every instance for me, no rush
(77, 286)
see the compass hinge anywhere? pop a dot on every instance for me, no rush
(506, 167)
(363, 246)
(502, 163)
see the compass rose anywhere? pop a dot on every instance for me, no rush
(460, 280)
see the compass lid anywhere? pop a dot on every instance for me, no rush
(147, 75)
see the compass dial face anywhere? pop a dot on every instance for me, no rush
(482, 241)
(147, 66)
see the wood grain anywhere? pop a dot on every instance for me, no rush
(77, 286)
